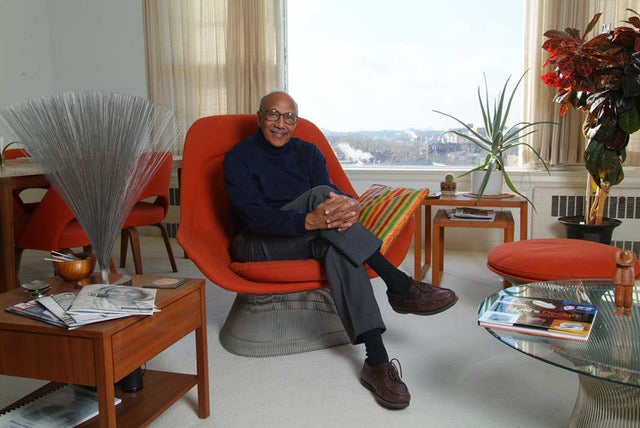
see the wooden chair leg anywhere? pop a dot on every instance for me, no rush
(135, 249)
(167, 244)
(124, 242)
(18, 257)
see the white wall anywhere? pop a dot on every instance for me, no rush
(25, 53)
(50, 46)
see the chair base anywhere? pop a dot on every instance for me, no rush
(282, 324)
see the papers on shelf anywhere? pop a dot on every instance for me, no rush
(468, 213)
(66, 406)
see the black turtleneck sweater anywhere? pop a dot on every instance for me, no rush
(261, 178)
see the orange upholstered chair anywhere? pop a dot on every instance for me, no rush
(52, 226)
(22, 210)
(149, 213)
(206, 236)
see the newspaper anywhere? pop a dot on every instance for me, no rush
(105, 298)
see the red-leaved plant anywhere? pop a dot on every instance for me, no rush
(601, 77)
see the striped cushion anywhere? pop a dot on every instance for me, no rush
(385, 210)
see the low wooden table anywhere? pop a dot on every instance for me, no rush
(503, 220)
(101, 354)
(421, 267)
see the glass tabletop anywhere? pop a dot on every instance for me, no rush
(612, 351)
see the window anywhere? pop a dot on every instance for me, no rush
(370, 72)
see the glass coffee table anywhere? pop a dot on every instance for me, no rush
(608, 364)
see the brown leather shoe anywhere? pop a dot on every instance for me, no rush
(422, 299)
(386, 383)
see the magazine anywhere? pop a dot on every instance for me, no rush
(545, 317)
(466, 213)
(66, 406)
(114, 299)
(59, 304)
(34, 310)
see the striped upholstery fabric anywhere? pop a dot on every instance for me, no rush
(385, 210)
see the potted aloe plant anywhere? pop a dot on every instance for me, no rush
(601, 77)
(499, 138)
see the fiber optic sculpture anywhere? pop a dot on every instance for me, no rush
(99, 150)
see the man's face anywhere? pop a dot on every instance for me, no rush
(277, 131)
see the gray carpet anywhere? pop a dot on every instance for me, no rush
(457, 373)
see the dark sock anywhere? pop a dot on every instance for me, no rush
(376, 352)
(396, 280)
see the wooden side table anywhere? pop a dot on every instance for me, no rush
(422, 260)
(503, 220)
(101, 354)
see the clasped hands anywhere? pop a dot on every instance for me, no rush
(336, 212)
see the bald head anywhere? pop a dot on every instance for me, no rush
(277, 118)
(264, 101)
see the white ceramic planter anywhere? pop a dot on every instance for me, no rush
(494, 186)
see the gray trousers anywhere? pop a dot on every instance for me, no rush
(342, 254)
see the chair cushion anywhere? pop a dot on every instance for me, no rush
(280, 271)
(554, 259)
(385, 210)
(144, 214)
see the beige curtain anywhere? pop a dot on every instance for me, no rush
(564, 143)
(209, 57)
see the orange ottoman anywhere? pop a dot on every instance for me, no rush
(553, 259)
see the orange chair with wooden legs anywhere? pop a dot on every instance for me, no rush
(52, 226)
(283, 306)
(149, 213)
(22, 210)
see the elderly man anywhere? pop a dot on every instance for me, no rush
(286, 207)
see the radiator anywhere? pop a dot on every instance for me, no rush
(554, 202)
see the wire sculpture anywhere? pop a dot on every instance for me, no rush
(99, 150)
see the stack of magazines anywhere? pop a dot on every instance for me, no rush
(467, 213)
(93, 303)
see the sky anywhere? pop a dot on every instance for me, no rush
(373, 65)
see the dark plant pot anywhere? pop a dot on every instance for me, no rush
(576, 229)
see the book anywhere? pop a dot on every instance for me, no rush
(473, 213)
(539, 316)
(34, 310)
(114, 299)
(65, 406)
(165, 283)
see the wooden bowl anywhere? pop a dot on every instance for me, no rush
(76, 270)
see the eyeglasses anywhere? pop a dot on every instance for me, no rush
(273, 115)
